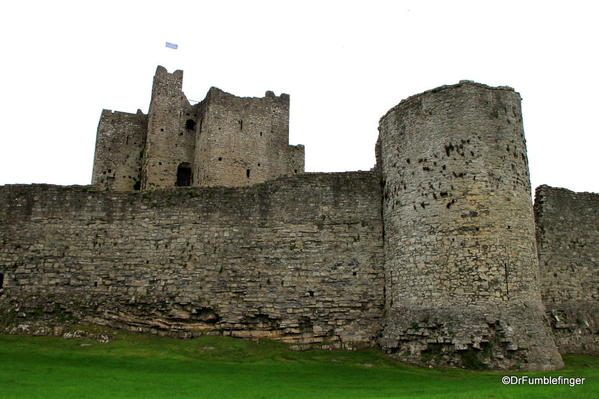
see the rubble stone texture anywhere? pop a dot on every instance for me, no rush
(431, 255)
(568, 245)
(223, 140)
(460, 258)
(297, 259)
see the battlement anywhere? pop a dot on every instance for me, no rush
(172, 80)
(268, 95)
(222, 140)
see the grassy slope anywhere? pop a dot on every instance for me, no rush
(136, 366)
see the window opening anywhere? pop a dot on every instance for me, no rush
(184, 175)
(190, 124)
(247, 173)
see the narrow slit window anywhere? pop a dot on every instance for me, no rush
(1, 280)
(247, 173)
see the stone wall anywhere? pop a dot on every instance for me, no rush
(450, 278)
(460, 258)
(244, 140)
(296, 162)
(297, 259)
(222, 141)
(120, 143)
(568, 246)
(171, 138)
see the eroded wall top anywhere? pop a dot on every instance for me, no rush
(222, 141)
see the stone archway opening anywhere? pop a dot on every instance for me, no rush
(184, 175)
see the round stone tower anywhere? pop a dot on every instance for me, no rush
(461, 267)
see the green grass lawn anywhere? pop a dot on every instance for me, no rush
(138, 366)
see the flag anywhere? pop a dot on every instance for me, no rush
(171, 45)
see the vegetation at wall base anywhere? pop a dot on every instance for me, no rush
(143, 366)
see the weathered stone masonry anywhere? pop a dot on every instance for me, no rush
(568, 244)
(298, 259)
(223, 140)
(432, 255)
(460, 261)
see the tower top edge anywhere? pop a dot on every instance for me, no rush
(460, 84)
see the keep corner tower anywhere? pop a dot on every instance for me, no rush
(223, 140)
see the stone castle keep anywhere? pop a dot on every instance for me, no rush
(221, 141)
(201, 220)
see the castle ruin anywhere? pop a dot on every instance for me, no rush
(221, 141)
(200, 220)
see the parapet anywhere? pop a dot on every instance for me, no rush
(218, 95)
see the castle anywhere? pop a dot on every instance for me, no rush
(223, 140)
(200, 220)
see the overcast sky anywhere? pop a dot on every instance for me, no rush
(344, 63)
